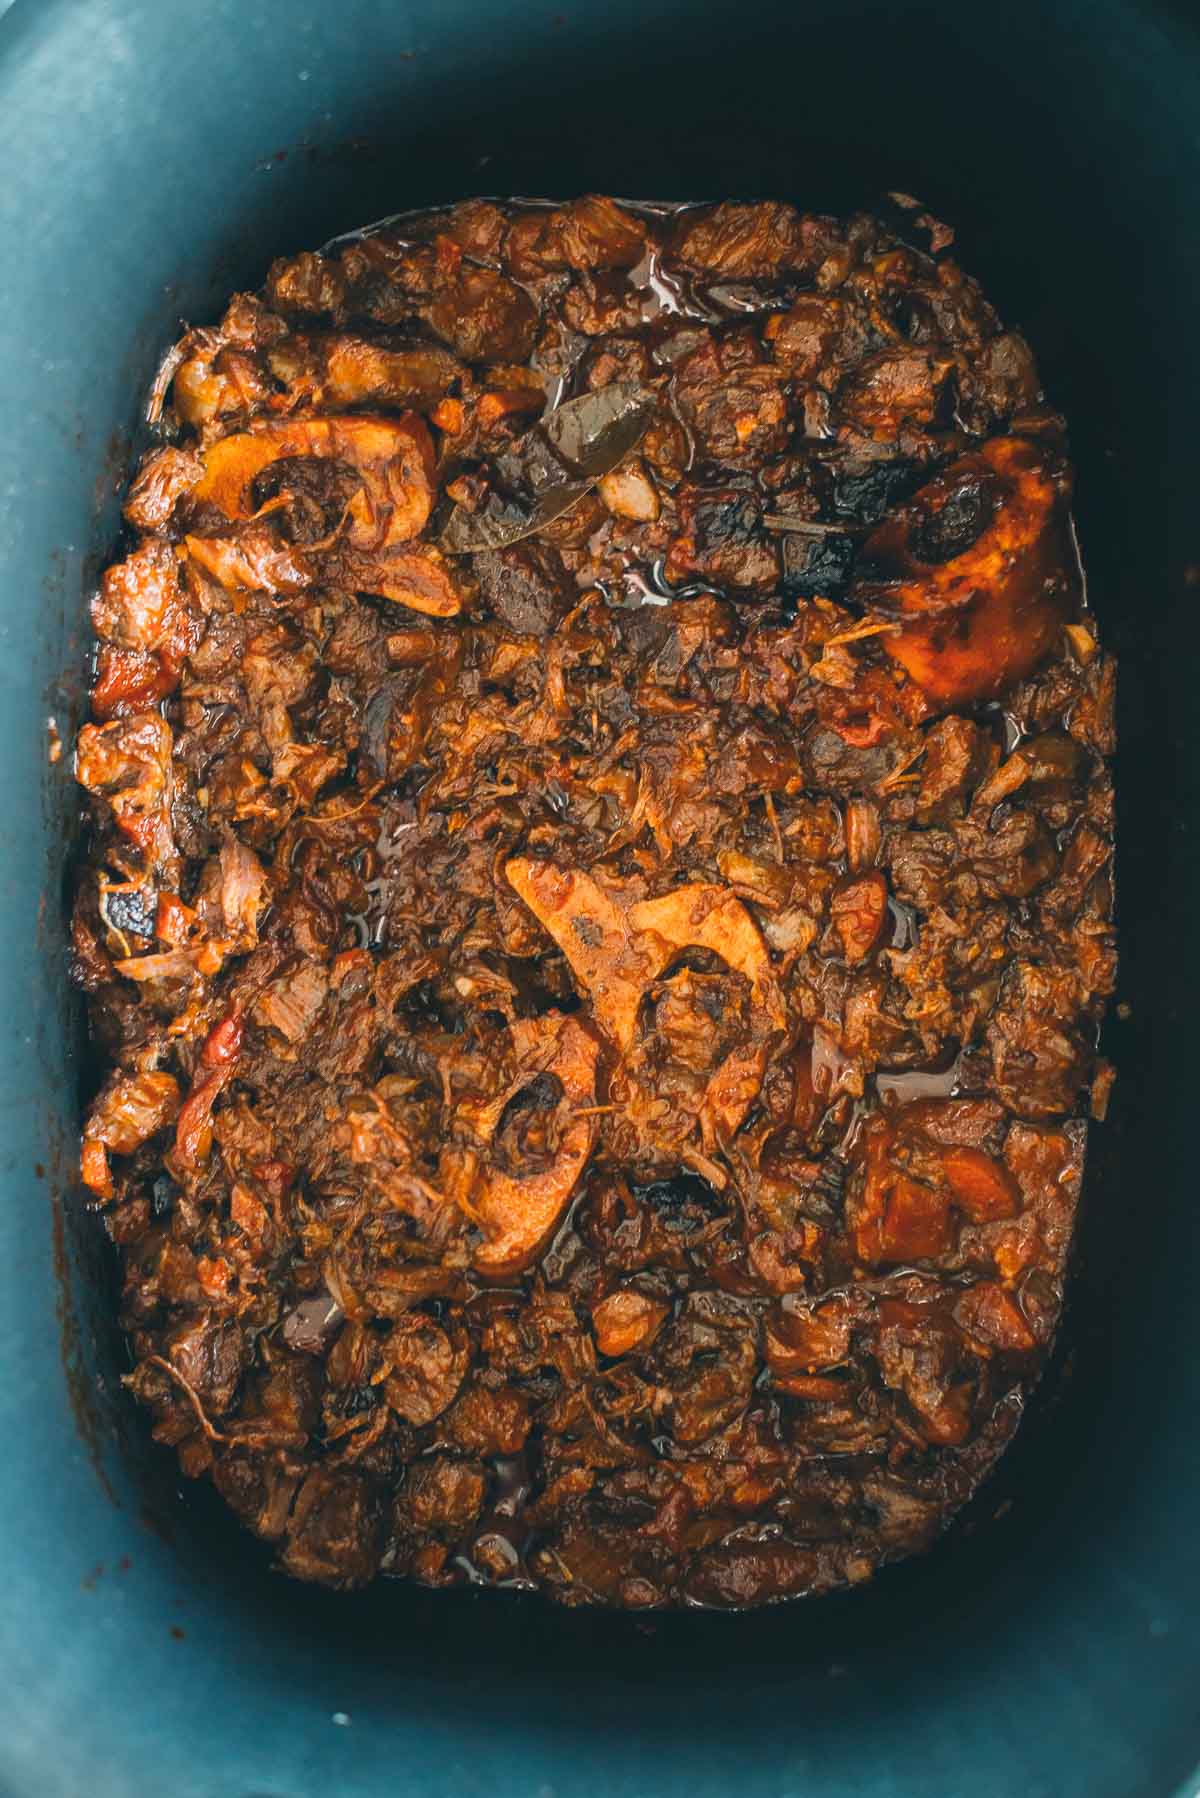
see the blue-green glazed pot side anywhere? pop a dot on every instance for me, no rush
(157, 154)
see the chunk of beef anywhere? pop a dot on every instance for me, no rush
(742, 242)
(484, 317)
(442, 1493)
(736, 408)
(525, 587)
(722, 540)
(332, 1535)
(1039, 1059)
(892, 389)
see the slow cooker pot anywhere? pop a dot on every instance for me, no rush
(156, 154)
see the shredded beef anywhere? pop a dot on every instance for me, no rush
(598, 900)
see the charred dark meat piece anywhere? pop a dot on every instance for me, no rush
(598, 900)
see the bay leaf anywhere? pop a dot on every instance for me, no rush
(502, 522)
(595, 431)
(559, 460)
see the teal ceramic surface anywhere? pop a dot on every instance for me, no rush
(155, 154)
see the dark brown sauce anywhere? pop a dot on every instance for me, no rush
(495, 1551)
(919, 1083)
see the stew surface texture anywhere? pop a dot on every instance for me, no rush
(597, 903)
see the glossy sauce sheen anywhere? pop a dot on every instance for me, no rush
(599, 905)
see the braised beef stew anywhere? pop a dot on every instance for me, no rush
(598, 903)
